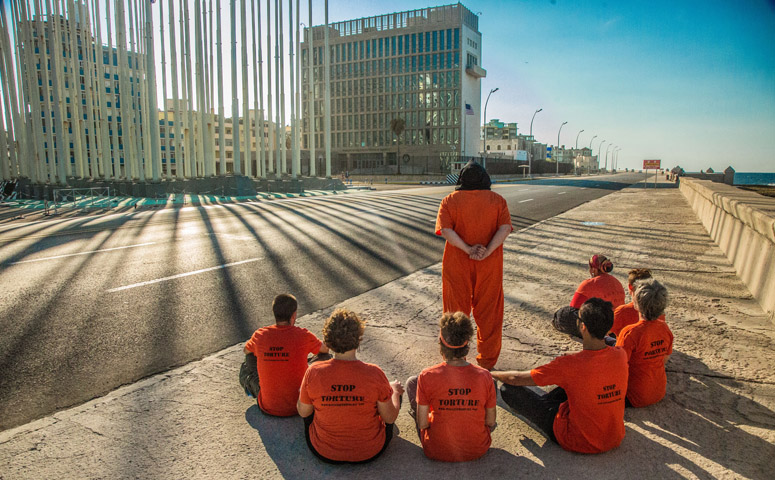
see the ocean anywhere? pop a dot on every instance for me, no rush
(754, 178)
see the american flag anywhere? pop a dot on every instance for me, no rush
(469, 110)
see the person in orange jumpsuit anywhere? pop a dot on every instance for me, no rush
(475, 221)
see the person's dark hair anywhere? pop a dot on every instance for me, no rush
(651, 298)
(283, 307)
(638, 274)
(456, 330)
(598, 316)
(473, 176)
(343, 331)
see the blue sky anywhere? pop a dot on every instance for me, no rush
(689, 82)
(686, 81)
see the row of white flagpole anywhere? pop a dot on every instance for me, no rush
(27, 146)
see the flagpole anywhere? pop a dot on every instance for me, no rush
(234, 97)
(311, 115)
(294, 165)
(186, 46)
(200, 90)
(327, 98)
(271, 144)
(258, 128)
(245, 95)
(297, 123)
(44, 46)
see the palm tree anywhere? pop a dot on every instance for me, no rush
(397, 126)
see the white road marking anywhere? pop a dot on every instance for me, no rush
(181, 275)
(562, 193)
(528, 200)
(84, 253)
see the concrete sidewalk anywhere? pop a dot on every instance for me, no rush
(717, 420)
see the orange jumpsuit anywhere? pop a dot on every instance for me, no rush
(475, 216)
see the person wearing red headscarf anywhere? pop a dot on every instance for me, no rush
(601, 284)
(475, 221)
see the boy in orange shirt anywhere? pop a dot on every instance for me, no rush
(648, 344)
(276, 360)
(454, 401)
(585, 413)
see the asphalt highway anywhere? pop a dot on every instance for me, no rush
(91, 303)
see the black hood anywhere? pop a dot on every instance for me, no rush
(473, 177)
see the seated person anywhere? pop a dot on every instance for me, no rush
(454, 400)
(585, 413)
(348, 406)
(626, 314)
(601, 285)
(276, 360)
(648, 344)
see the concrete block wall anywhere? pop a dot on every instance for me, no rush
(742, 224)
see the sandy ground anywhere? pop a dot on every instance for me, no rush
(717, 420)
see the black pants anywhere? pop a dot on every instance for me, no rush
(537, 408)
(565, 321)
(308, 423)
(248, 375)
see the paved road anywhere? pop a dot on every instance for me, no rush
(88, 304)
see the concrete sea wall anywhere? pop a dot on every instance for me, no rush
(742, 224)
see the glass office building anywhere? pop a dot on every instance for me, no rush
(421, 67)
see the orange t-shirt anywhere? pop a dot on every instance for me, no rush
(624, 315)
(646, 343)
(604, 286)
(457, 397)
(592, 420)
(281, 356)
(347, 426)
(475, 216)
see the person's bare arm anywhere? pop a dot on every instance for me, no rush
(389, 410)
(489, 417)
(304, 409)
(453, 238)
(246, 351)
(323, 349)
(518, 379)
(496, 241)
(422, 416)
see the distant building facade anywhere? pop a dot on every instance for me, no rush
(69, 84)
(421, 66)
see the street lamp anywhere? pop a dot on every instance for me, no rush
(485, 119)
(557, 149)
(600, 149)
(576, 154)
(590, 152)
(530, 152)
(606, 157)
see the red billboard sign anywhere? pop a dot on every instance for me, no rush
(651, 164)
